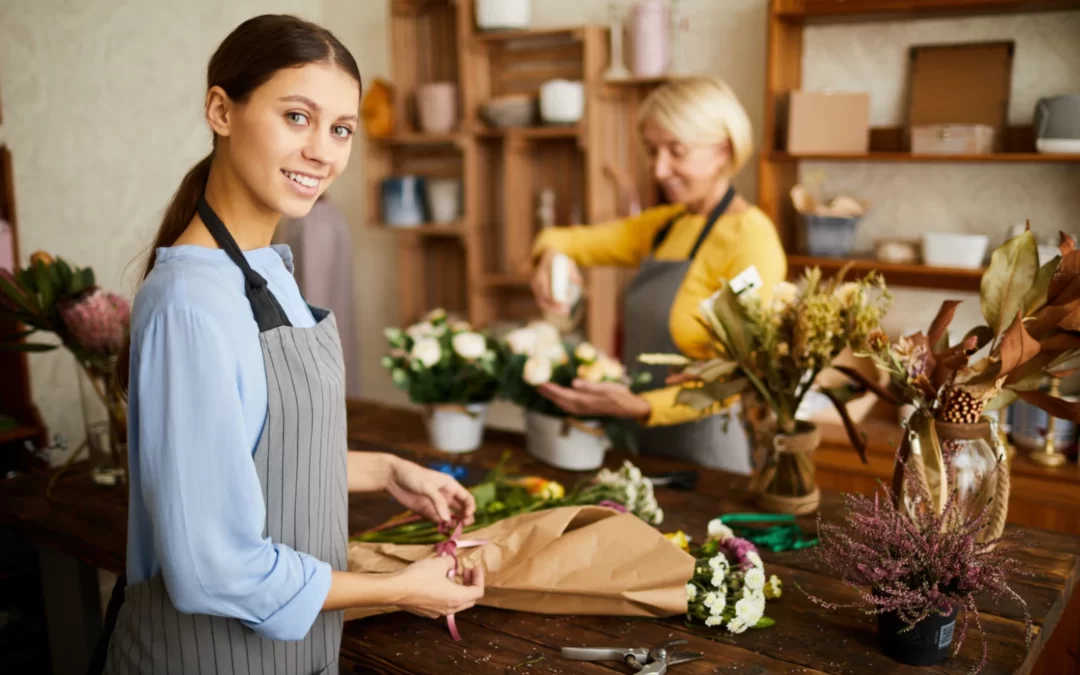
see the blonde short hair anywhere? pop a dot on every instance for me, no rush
(702, 110)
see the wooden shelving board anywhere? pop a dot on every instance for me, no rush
(426, 230)
(844, 11)
(915, 276)
(533, 133)
(418, 138)
(491, 37)
(19, 433)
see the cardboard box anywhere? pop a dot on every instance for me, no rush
(835, 123)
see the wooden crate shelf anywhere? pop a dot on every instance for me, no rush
(533, 133)
(415, 138)
(916, 276)
(778, 170)
(528, 34)
(426, 230)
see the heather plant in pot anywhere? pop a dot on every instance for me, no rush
(918, 570)
(770, 353)
(1031, 335)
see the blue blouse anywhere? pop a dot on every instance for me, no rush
(197, 404)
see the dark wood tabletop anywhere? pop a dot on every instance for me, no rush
(89, 523)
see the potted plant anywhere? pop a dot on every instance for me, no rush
(918, 570)
(770, 354)
(536, 354)
(452, 371)
(1031, 335)
(52, 296)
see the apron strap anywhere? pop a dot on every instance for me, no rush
(714, 216)
(268, 313)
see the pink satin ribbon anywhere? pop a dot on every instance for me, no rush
(450, 548)
(613, 505)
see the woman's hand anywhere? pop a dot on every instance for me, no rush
(427, 591)
(586, 399)
(433, 494)
(541, 284)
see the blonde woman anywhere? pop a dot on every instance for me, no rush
(697, 137)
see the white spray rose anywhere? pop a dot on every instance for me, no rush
(691, 591)
(713, 621)
(426, 350)
(736, 625)
(420, 330)
(469, 345)
(754, 579)
(537, 370)
(521, 341)
(585, 352)
(658, 516)
(719, 531)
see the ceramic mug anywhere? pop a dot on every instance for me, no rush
(403, 201)
(436, 107)
(651, 38)
(444, 200)
(562, 101)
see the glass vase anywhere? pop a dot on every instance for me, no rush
(977, 469)
(105, 419)
(785, 481)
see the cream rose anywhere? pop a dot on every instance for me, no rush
(420, 330)
(469, 345)
(585, 352)
(427, 351)
(521, 341)
(537, 370)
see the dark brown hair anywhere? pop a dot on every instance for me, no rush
(248, 57)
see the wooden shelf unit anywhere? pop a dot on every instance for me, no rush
(778, 170)
(15, 397)
(483, 273)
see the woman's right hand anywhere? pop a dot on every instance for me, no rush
(429, 592)
(541, 283)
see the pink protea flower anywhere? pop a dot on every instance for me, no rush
(735, 549)
(98, 321)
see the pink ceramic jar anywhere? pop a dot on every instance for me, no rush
(436, 107)
(650, 32)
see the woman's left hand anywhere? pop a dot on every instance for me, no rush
(432, 494)
(607, 399)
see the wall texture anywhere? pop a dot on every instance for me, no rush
(103, 103)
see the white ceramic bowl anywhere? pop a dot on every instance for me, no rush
(562, 101)
(949, 249)
(503, 14)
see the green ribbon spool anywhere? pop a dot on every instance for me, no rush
(785, 535)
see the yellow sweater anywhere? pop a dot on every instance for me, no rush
(736, 241)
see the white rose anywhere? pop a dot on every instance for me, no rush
(736, 625)
(754, 579)
(521, 341)
(469, 345)
(420, 330)
(718, 605)
(754, 559)
(585, 352)
(710, 599)
(426, 350)
(546, 333)
(718, 562)
(537, 370)
(719, 531)
(719, 578)
(713, 621)
(552, 351)
(613, 370)
(784, 294)
(691, 591)
(746, 609)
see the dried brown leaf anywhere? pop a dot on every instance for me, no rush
(1067, 245)
(1057, 407)
(1017, 346)
(941, 322)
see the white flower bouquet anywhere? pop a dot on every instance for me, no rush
(537, 354)
(452, 370)
(729, 587)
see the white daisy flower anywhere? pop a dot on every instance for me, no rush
(736, 625)
(658, 517)
(750, 610)
(718, 605)
(710, 599)
(719, 531)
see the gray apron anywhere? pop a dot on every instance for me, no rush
(718, 441)
(301, 463)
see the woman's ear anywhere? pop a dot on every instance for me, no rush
(219, 109)
(723, 158)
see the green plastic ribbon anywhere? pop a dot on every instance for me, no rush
(784, 535)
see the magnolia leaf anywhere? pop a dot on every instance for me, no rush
(1064, 286)
(715, 369)
(1017, 346)
(857, 438)
(1011, 273)
(45, 285)
(982, 334)
(1070, 321)
(941, 323)
(703, 397)
(1037, 294)
(1059, 342)
(857, 375)
(732, 318)
(1067, 244)
(1064, 364)
(983, 372)
(1057, 407)
(1003, 400)
(1031, 374)
(1046, 319)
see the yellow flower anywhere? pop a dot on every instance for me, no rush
(773, 588)
(680, 539)
(541, 487)
(552, 490)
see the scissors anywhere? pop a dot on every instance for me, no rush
(643, 660)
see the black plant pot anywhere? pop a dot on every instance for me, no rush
(925, 643)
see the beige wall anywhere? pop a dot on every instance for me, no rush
(102, 104)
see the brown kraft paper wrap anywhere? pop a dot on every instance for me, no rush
(570, 560)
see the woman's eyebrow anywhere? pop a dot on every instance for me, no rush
(297, 98)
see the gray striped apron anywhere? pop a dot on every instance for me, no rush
(718, 441)
(301, 463)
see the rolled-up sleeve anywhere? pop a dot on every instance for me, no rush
(201, 490)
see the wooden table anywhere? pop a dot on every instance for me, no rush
(89, 524)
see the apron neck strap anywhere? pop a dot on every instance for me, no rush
(713, 216)
(268, 313)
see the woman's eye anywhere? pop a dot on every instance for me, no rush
(297, 117)
(678, 151)
(342, 131)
